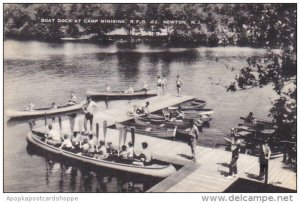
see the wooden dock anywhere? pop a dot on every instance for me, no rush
(209, 172)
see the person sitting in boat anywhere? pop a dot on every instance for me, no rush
(250, 118)
(143, 109)
(85, 146)
(53, 105)
(130, 152)
(30, 106)
(129, 90)
(76, 141)
(52, 136)
(123, 153)
(107, 88)
(132, 111)
(109, 148)
(73, 99)
(179, 114)
(92, 143)
(67, 143)
(101, 151)
(145, 87)
(145, 155)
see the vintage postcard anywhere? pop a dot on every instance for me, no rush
(137, 97)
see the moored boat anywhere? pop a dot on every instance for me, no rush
(195, 104)
(156, 169)
(151, 130)
(114, 95)
(44, 111)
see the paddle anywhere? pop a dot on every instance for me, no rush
(125, 136)
(120, 137)
(104, 129)
(60, 124)
(97, 132)
(132, 135)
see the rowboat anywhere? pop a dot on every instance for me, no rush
(157, 169)
(253, 128)
(114, 95)
(182, 125)
(204, 114)
(265, 123)
(195, 104)
(151, 130)
(48, 111)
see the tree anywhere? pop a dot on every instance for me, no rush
(278, 68)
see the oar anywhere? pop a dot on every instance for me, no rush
(132, 135)
(60, 124)
(120, 137)
(97, 132)
(104, 129)
(45, 122)
(125, 136)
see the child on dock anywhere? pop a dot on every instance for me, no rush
(194, 134)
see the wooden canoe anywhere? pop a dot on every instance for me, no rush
(155, 170)
(151, 130)
(44, 111)
(195, 104)
(115, 95)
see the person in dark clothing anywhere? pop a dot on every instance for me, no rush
(265, 154)
(235, 148)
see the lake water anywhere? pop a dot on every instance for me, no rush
(47, 72)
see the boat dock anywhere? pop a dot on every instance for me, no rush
(207, 174)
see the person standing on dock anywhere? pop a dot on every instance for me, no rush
(164, 83)
(264, 157)
(159, 86)
(194, 134)
(89, 108)
(235, 148)
(179, 84)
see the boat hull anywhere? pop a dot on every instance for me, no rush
(43, 112)
(120, 95)
(155, 171)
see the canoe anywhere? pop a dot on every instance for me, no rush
(44, 111)
(196, 114)
(252, 128)
(120, 94)
(151, 130)
(156, 169)
(265, 123)
(195, 104)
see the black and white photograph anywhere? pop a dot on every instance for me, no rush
(150, 98)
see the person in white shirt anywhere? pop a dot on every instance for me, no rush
(145, 87)
(129, 90)
(179, 84)
(130, 151)
(159, 85)
(107, 88)
(53, 105)
(30, 106)
(67, 143)
(73, 99)
(52, 136)
(164, 83)
(89, 108)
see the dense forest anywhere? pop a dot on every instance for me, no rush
(219, 24)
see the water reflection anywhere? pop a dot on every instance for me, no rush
(128, 65)
(68, 175)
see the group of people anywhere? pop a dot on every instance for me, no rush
(138, 110)
(162, 85)
(264, 153)
(88, 145)
(129, 90)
